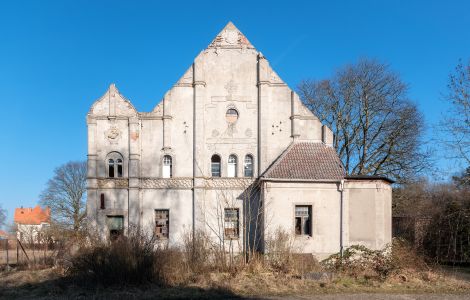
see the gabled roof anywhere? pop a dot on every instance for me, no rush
(32, 216)
(306, 161)
(230, 37)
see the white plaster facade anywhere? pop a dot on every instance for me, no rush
(190, 125)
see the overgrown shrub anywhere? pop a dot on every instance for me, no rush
(134, 259)
(280, 250)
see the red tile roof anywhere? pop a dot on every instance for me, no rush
(32, 216)
(307, 160)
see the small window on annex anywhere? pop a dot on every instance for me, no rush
(232, 166)
(167, 171)
(231, 220)
(115, 226)
(303, 220)
(162, 223)
(215, 166)
(114, 161)
(248, 166)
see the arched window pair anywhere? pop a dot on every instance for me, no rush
(232, 166)
(167, 171)
(114, 165)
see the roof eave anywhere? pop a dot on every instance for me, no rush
(300, 180)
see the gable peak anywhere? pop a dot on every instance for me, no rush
(230, 37)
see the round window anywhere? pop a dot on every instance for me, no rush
(232, 115)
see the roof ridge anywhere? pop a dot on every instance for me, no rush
(306, 160)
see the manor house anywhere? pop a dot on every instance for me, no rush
(230, 151)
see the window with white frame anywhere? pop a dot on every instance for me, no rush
(232, 166)
(162, 223)
(215, 166)
(231, 223)
(248, 166)
(167, 171)
(303, 220)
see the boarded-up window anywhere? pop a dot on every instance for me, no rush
(115, 226)
(102, 205)
(162, 223)
(231, 220)
(232, 166)
(303, 215)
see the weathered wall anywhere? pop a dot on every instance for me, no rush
(368, 206)
(190, 125)
(279, 205)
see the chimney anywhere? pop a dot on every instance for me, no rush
(326, 136)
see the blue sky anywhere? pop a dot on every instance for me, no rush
(57, 57)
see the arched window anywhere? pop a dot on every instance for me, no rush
(167, 171)
(119, 167)
(231, 115)
(115, 164)
(215, 165)
(248, 166)
(110, 167)
(232, 166)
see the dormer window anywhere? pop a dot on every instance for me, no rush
(167, 171)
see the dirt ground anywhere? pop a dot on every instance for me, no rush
(52, 284)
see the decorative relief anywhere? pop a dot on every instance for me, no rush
(231, 87)
(228, 182)
(248, 132)
(166, 183)
(176, 183)
(113, 134)
(215, 133)
(113, 183)
(230, 37)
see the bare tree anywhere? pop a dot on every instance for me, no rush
(65, 195)
(377, 129)
(455, 124)
(3, 216)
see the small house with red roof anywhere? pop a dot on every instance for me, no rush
(31, 222)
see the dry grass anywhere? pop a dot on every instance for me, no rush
(149, 272)
(53, 283)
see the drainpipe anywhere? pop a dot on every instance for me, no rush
(341, 189)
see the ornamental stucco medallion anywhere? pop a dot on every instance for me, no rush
(231, 36)
(113, 134)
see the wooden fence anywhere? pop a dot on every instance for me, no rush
(14, 253)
